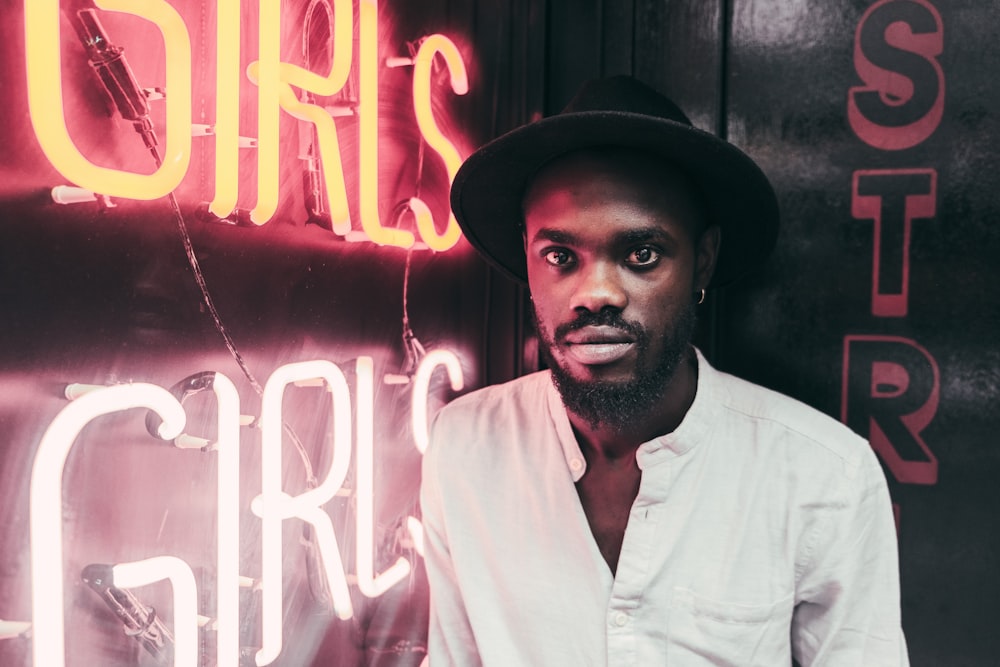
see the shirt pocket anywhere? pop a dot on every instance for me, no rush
(703, 631)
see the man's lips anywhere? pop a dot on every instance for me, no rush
(597, 345)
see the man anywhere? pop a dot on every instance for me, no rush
(632, 505)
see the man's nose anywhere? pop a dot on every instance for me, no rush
(599, 287)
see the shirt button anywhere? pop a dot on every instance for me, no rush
(576, 465)
(620, 619)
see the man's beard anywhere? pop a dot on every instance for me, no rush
(618, 405)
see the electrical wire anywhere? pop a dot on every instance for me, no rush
(199, 278)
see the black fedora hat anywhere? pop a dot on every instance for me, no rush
(620, 111)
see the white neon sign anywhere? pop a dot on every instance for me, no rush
(47, 501)
(228, 540)
(274, 505)
(370, 584)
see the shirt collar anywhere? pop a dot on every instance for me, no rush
(695, 427)
(697, 424)
(571, 448)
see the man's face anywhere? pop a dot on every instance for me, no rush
(615, 254)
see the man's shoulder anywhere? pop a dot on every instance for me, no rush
(499, 410)
(526, 393)
(792, 420)
(480, 430)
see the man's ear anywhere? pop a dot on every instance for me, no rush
(706, 254)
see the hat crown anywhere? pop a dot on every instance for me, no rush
(487, 193)
(627, 95)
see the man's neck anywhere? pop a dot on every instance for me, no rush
(611, 443)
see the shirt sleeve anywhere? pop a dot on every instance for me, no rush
(847, 610)
(450, 639)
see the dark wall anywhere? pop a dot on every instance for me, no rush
(875, 121)
(877, 306)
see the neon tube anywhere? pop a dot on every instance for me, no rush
(329, 148)
(321, 118)
(416, 530)
(227, 107)
(370, 584)
(46, 501)
(45, 100)
(368, 113)
(279, 93)
(431, 46)
(421, 383)
(228, 518)
(273, 505)
(268, 81)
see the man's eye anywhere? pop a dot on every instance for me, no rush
(644, 256)
(557, 257)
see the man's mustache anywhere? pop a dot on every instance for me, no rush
(608, 318)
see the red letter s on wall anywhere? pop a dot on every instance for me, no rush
(895, 50)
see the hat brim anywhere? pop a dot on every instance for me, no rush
(488, 190)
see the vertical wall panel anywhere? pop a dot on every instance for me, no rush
(618, 38)
(508, 39)
(573, 55)
(678, 50)
(904, 351)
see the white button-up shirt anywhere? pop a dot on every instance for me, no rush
(762, 530)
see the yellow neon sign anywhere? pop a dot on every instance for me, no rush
(433, 45)
(227, 108)
(289, 75)
(277, 82)
(268, 83)
(45, 100)
(368, 111)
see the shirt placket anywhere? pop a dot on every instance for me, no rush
(632, 576)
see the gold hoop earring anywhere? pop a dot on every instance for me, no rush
(701, 297)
